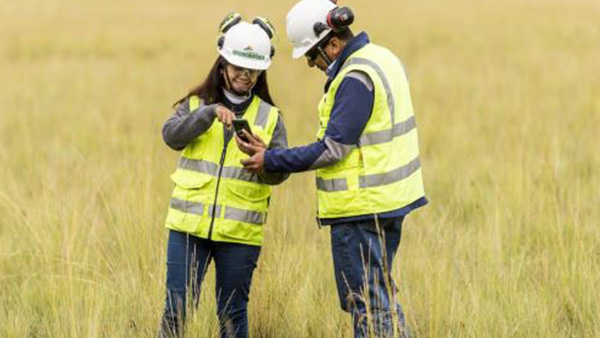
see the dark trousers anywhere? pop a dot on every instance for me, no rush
(362, 258)
(188, 258)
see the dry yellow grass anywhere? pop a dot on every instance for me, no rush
(506, 95)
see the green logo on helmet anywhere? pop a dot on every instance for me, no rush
(249, 54)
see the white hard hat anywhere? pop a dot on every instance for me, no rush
(246, 45)
(301, 22)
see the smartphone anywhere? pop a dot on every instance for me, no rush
(239, 125)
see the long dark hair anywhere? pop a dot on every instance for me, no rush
(210, 91)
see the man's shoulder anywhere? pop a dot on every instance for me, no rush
(360, 76)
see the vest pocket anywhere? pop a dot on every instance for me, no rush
(341, 169)
(190, 180)
(248, 192)
(190, 200)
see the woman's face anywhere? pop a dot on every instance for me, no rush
(242, 80)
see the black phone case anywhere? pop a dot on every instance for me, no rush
(239, 125)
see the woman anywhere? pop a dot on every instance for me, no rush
(218, 208)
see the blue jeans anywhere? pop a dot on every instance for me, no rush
(362, 259)
(188, 258)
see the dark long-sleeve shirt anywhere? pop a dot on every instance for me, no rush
(184, 126)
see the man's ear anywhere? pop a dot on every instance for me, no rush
(336, 46)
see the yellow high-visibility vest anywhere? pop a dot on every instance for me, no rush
(384, 172)
(214, 196)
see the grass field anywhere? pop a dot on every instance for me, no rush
(507, 97)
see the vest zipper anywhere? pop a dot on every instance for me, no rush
(212, 221)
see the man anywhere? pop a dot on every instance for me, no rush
(367, 159)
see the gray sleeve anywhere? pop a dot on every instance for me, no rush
(184, 126)
(334, 152)
(279, 141)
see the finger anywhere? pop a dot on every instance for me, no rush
(262, 143)
(241, 142)
(257, 141)
(256, 169)
(247, 134)
(242, 146)
(251, 138)
(227, 120)
(250, 166)
(253, 147)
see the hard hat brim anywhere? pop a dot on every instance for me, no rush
(299, 52)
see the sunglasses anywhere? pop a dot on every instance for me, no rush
(312, 53)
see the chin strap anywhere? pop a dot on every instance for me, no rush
(230, 88)
(328, 61)
(228, 85)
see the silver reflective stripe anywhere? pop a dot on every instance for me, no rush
(263, 114)
(384, 136)
(212, 169)
(333, 153)
(369, 181)
(393, 176)
(336, 184)
(384, 80)
(362, 77)
(199, 166)
(187, 206)
(252, 217)
(235, 214)
(239, 174)
(217, 212)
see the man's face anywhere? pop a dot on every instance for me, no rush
(316, 60)
(314, 57)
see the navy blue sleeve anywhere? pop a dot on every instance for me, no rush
(350, 114)
(351, 111)
(293, 160)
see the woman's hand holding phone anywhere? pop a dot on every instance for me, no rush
(252, 146)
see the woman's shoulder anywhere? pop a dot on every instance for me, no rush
(194, 102)
(189, 103)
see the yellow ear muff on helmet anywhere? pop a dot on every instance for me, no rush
(266, 25)
(229, 21)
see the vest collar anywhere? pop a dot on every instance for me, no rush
(240, 108)
(356, 43)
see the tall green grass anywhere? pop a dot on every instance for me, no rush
(506, 95)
